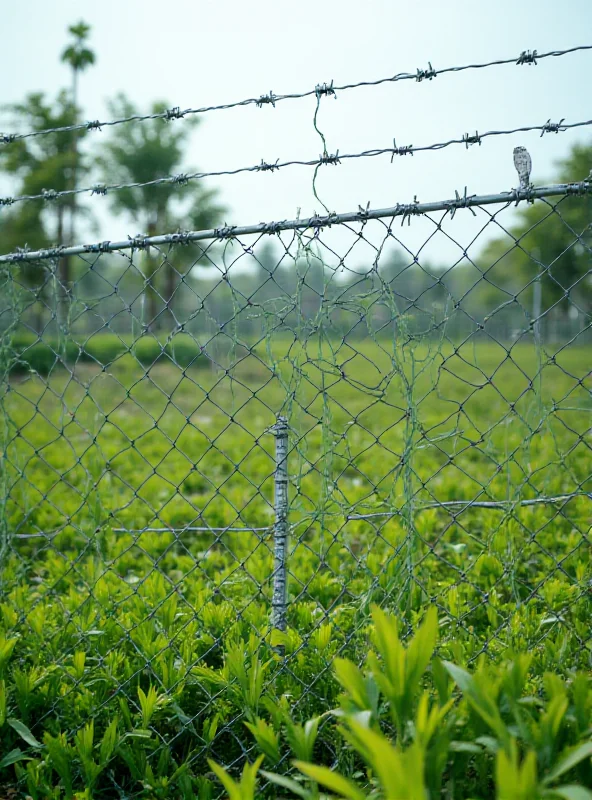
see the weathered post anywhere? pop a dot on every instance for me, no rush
(280, 529)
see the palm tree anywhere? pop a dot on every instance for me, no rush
(145, 151)
(79, 57)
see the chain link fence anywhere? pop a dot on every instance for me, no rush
(253, 434)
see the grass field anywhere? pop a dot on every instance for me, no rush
(100, 609)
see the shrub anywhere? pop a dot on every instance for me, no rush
(41, 355)
(426, 729)
(406, 725)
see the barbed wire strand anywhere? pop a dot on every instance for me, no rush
(51, 195)
(526, 57)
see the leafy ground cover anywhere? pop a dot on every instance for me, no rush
(134, 662)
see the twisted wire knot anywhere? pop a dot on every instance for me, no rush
(460, 201)
(327, 158)
(138, 241)
(180, 237)
(426, 74)
(469, 140)
(363, 212)
(406, 150)
(224, 231)
(552, 127)
(21, 252)
(409, 210)
(524, 193)
(271, 227)
(265, 167)
(98, 247)
(173, 113)
(266, 99)
(582, 187)
(526, 57)
(325, 89)
(317, 222)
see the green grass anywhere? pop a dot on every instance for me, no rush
(376, 428)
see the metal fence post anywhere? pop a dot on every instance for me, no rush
(280, 528)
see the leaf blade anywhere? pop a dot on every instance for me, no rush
(23, 732)
(332, 780)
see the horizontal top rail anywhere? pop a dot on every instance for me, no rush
(316, 222)
(525, 57)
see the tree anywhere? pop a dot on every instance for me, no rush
(36, 164)
(77, 55)
(551, 239)
(146, 151)
(48, 162)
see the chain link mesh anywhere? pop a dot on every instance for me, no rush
(417, 392)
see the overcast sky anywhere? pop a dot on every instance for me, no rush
(198, 53)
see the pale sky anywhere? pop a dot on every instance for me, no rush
(197, 53)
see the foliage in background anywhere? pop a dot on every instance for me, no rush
(37, 164)
(562, 262)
